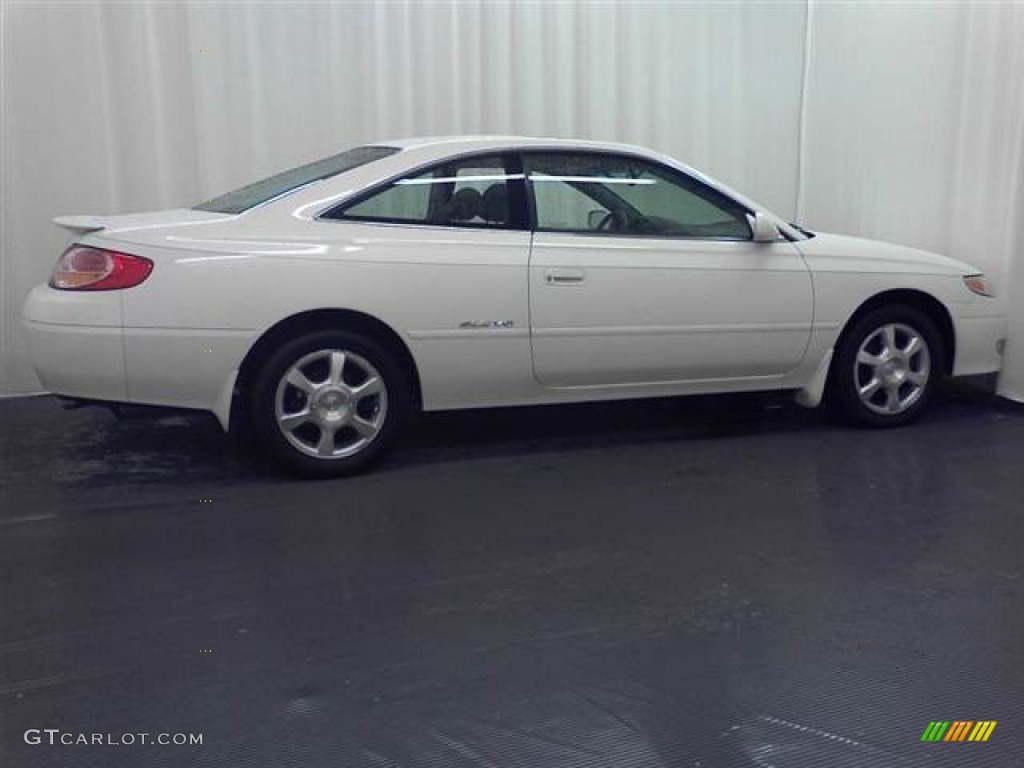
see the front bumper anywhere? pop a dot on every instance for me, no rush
(979, 344)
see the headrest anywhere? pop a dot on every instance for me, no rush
(465, 204)
(495, 203)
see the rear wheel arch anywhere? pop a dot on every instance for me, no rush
(312, 321)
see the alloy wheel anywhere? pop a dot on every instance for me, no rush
(892, 368)
(331, 404)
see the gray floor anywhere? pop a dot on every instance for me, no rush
(711, 582)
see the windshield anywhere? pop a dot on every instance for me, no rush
(258, 192)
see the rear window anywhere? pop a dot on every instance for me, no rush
(258, 192)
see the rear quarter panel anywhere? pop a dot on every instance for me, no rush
(188, 327)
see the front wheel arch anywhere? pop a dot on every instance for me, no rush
(919, 300)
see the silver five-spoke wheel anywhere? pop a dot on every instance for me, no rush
(331, 404)
(892, 368)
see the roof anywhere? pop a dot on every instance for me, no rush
(483, 141)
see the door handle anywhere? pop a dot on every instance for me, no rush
(564, 276)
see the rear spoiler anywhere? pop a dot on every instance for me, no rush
(79, 225)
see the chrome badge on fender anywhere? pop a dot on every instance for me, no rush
(487, 324)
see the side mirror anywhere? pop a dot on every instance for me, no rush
(764, 230)
(595, 217)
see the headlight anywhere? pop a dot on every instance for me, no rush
(977, 284)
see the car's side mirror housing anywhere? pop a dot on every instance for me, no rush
(764, 229)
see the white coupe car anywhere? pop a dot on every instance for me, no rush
(325, 304)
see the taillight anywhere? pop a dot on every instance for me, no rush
(82, 268)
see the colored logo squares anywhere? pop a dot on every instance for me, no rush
(958, 730)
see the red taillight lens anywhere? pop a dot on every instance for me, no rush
(82, 268)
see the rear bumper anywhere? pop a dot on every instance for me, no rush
(80, 349)
(75, 342)
(78, 361)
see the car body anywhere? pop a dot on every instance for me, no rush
(492, 271)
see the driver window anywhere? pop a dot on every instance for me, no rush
(564, 208)
(590, 192)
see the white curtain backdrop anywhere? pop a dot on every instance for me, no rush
(899, 121)
(914, 133)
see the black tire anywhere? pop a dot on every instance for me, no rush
(358, 428)
(906, 383)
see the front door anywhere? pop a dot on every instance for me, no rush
(640, 274)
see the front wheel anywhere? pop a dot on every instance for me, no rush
(886, 369)
(328, 403)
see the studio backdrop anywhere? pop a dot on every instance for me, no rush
(902, 121)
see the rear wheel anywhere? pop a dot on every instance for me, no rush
(887, 367)
(327, 403)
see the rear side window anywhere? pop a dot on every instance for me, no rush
(467, 192)
(258, 192)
